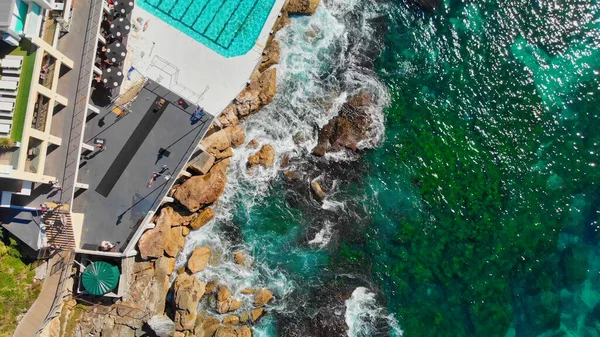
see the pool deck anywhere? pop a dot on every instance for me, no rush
(190, 69)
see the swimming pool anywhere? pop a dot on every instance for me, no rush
(229, 27)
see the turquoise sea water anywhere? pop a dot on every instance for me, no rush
(229, 27)
(472, 210)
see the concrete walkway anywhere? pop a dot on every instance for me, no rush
(50, 297)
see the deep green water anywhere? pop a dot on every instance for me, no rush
(477, 215)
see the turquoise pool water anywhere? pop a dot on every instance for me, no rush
(19, 22)
(229, 27)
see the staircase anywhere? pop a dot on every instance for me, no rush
(59, 228)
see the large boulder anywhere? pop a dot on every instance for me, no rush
(267, 82)
(203, 218)
(201, 164)
(259, 93)
(262, 297)
(247, 102)
(162, 325)
(199, 259)
(199, 191)
(229, 116)
(222, 139)
(188, 292)
(152, 242)
(270, 56)
(264, 157)
(207, 327)
(165, 265)
(302, 6)
(175, 241)
(318, 190)
(227, 331)
(348, 128)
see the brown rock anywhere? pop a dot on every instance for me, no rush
(211, 286)
(348, 128)
(229, 116)
(227, 331)
(245, 316)
(244, 331)
(235, 305)
(175, 242)
(143, 266)
(179, 334)
(216, 142)
(302, 6)
(224, 154)
(268, 86)
(185, 231)
(262, 297)
(264, 157)
(199, 259)
(207, 328)
(248, 291)
(202, 164)
(292, 176)
(203, 218)
(188, 292)
(270, 56)
(223, 307)
(253, 144)
(203, 190)
(318, 190)
(237, 135)
(223, 293)
(248, 102)
(256, 314)
(231, 319)
(165, 265)
(239, 258)
(152, 242)
(282, 21)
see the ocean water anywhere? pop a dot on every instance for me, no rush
(471, 209)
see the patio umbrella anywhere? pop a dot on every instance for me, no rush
(123, 7)
(116, 52)
(100, 277)
(120, 27)
(112, 77)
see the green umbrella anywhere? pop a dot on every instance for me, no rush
(100, 277)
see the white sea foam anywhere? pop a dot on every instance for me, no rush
(363, 313)
(323, 237)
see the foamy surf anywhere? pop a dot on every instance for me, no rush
(365, 317)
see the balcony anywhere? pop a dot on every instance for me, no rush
(47, 71)
(40, 113)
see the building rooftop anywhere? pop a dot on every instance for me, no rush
(137, 145)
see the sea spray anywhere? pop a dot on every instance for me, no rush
(365, 318)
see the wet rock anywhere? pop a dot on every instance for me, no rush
(248, 291)
(211, 286)
(318, 191)
(267, 83)
(292, 176)
(270, 56)
(253, 144)
(245, 331)
(544, 312)
(231, 319)
(207, 327)
(235, 305)
(223, 293)
(282, 21)
(245, 316)
(199, 191)
(262, 297)
(162, 326)
(199, 259)
(302, 6)
(203, 218)
(247, 102)
(347, 129)
(227, 331)
(188, 292)
(240, 258)
(256, 314)
(574, 264)
(237, 135)
(264, 157)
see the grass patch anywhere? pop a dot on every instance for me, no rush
(17, 289)
(27, 50)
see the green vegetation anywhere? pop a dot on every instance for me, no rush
(28, 50)
(6, 143)
(17, 289)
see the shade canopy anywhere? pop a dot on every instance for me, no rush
(116, 52)
(100, 277)
(123, 7)
(112, 77)
(120, 27)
